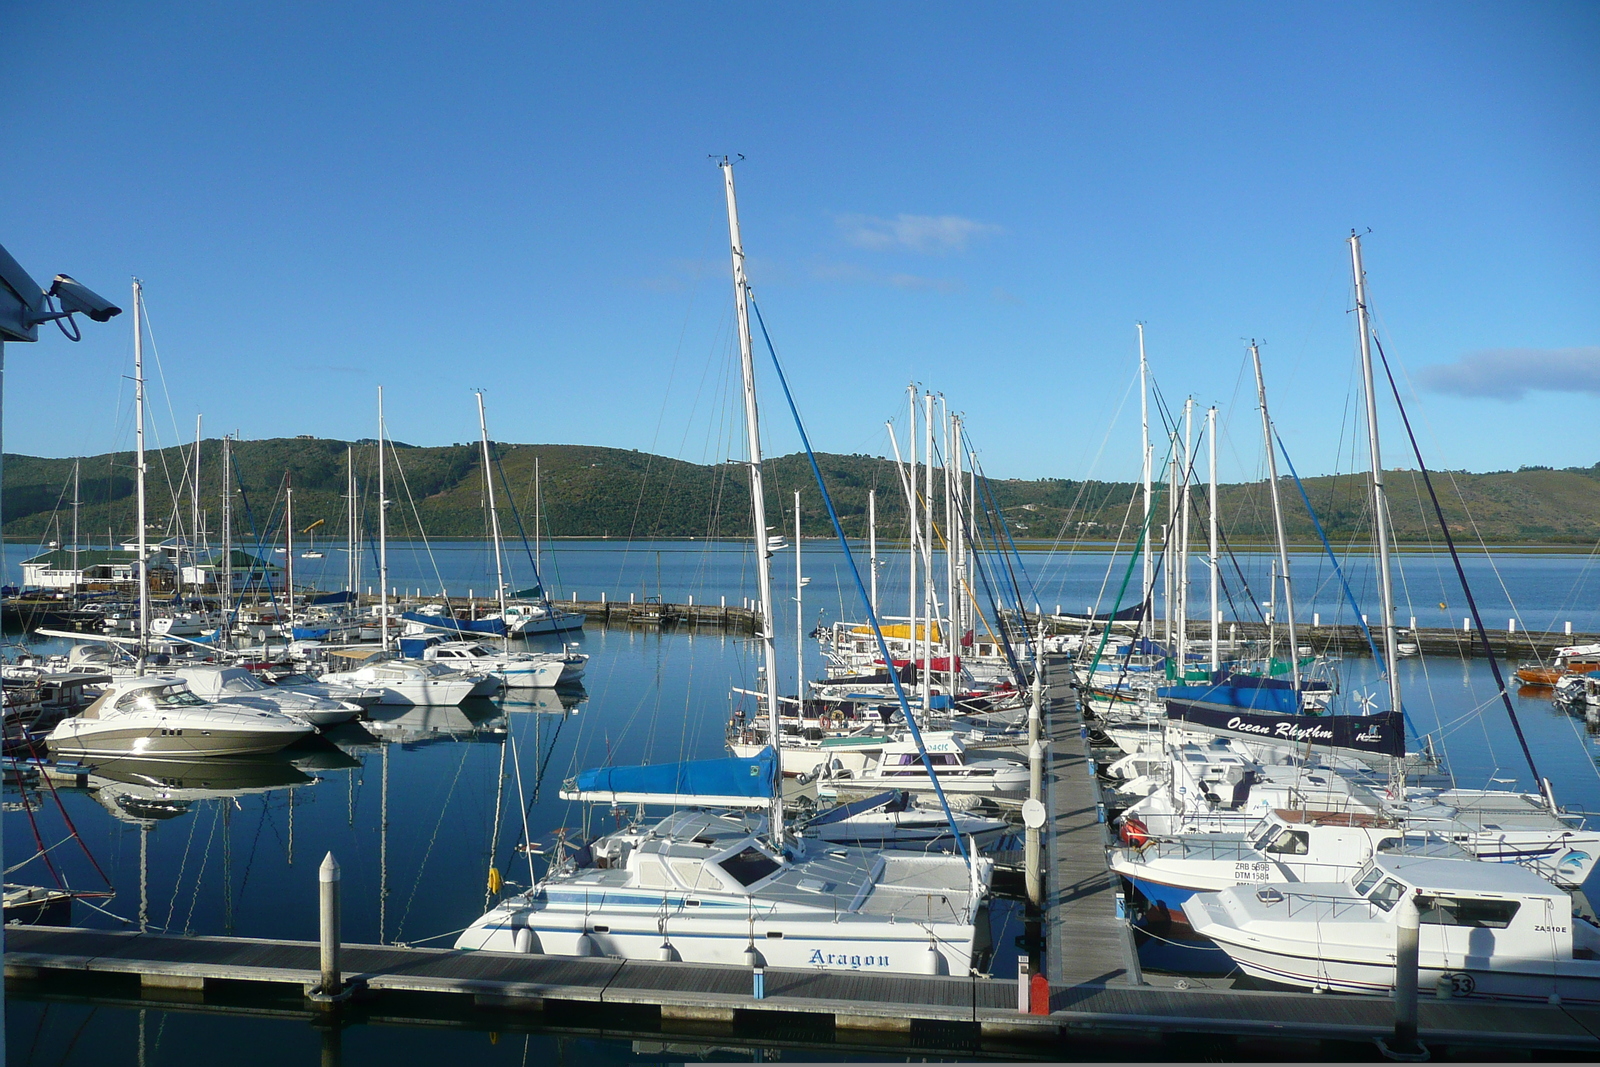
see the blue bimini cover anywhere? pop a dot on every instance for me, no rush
(717, 780)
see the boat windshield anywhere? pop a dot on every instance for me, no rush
(749, 866)
(242, 683)
(164, 696)
(1365, 879)
(295, 679)
(1387, 894)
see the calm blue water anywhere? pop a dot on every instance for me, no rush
(239, 854)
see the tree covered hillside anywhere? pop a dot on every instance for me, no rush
(590, 491)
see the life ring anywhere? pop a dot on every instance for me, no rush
(1134, 833)
(836, 717)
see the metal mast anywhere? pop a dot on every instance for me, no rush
(494, 526)
(383, 541)
(352, 543)
(1216, 621)
(1149, 489)
(758, 499)
(872, 543)
(1181, 577)
(225, 582)
(1380, 499)
(194, 530)
(1277, 523)
(139, 468)
(799, 615)
(76, 495)
(911, 522)
(929, 608)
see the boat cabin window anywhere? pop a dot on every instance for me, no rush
(749, 866)
(1387, 894)
(163, 696)
(695, 875)
(1365, 879)
(1464, 911)
(1290, 843)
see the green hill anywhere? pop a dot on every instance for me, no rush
(608, 492)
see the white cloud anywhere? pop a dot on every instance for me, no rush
(1511, 373)
(927, 234)
(850, 272)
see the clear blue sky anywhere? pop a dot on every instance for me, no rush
(324, 197)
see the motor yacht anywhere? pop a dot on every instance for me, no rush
(408, 682)
(1486, 930)
(515, 670)
(235, 685)
(159, 717)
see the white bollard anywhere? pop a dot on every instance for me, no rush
(630, 598)
(328, 886)
(1023, 979)
(691, 600)
(1405, 979)
(1569, 628)
(724, 601)
(602, 596)
(1511, 626)
(1316, 619)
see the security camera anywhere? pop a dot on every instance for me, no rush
(74, 296)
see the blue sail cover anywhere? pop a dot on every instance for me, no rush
(1250, 691)
(494, 627)
(752, 778)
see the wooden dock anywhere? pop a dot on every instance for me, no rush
(955, 1015)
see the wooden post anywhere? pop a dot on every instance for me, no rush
(328, 886)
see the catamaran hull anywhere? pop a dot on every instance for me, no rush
(885, 948)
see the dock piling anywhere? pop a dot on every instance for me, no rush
(1403, 1045)
(328, 886)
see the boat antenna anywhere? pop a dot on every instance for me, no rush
(758, 502)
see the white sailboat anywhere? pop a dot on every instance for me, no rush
(710, 888)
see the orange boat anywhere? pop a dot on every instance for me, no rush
(1578, 659)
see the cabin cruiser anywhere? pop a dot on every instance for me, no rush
(235, 685)
(1486, 930)
(896, 819)
(159, 717)
(296, 682)
(408, 682)
(899, 765)
(515, 670)
(707, 888)
(524, 617)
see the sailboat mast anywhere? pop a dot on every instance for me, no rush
(799, 615)
(1182, 575)
(538, 491)
(928, 601)
(494, 526)
(352, 562)
(194, 494)
(383, 541)
(76, 500)
(1277, 525)
(1380, 499)
(961, 613)
(1147, 459)
(872, 544)
(910, 485)
(225, 584)
(139, 468)
(758, 499)
(1211, 540)
(288, 552)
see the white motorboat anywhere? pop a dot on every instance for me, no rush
(706, 888)
(158, 717)
(1489, 930)
(361, 696)
(515, 670)
(899, 766)
(235, 685)
(525, 617)
(407, 682)
(896, 820)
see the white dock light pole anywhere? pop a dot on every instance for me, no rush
(328, 886)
